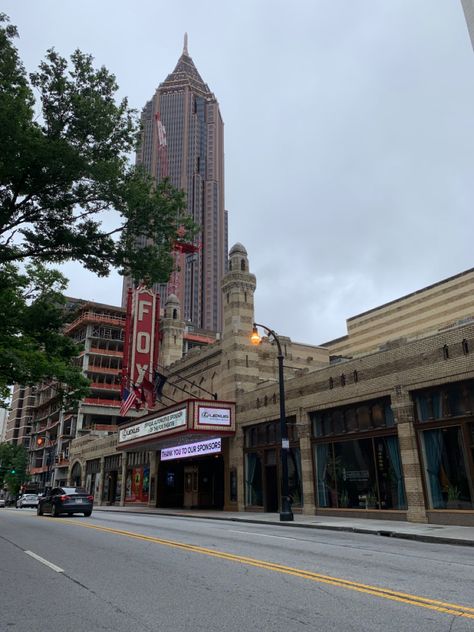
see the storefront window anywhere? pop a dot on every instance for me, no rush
(262, 465)
(355, 474)
(360, 474)
(362, 418)
(450, 400)
(445, 469)
(325, 475)
(253, 479)
(137, 485)
(294, 477)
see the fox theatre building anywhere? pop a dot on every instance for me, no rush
(177, 457)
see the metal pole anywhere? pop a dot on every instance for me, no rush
(286, 514)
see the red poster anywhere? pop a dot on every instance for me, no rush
(137, 480)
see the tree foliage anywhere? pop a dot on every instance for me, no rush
(13, 465)
(32, 345)
(68, 192)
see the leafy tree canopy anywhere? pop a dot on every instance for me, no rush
(32, 345)
(68, 192)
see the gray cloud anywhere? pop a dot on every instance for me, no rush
(349, 136)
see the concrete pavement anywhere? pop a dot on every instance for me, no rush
(442, 534)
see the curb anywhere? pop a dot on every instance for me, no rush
(429, 539)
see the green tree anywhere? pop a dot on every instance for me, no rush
(32, 345)
(68, 192)
(13, 465)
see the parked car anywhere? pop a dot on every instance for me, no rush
(2, 502)
(66, 500)
(27, 500)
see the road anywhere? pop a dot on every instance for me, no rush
(130, 572)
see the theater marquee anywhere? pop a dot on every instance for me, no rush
(188, 422)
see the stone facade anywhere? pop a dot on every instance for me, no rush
(316, 383)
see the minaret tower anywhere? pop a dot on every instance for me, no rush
(172, 332)
(239, 363)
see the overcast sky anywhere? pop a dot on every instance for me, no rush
(349, 136)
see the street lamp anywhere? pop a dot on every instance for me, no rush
(286, 515)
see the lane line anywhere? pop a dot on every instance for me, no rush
(262, 535)
(453, 609)
(45, 562)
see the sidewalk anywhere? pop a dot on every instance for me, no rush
(441, 534)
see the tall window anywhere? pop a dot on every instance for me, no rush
(445, 422)
(363, 472)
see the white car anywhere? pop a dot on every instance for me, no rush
(27, 500)
(2, 502)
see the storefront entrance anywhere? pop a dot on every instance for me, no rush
(192, 483)
(191, 486)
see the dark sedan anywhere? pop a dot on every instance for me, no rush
(66, 500)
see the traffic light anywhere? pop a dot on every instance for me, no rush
(13, 471)
(40, 441)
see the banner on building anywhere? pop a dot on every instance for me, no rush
(141, 346)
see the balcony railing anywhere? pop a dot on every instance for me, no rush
(109, 352)
(103, 369)
(96, 318)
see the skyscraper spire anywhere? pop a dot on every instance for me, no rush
(189, 112)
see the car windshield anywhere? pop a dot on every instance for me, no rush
(74, 490)
(30, 496)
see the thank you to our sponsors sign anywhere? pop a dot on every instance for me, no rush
(153, 426)
(213, 416)
(201, 448)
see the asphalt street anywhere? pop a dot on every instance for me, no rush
(157, 573)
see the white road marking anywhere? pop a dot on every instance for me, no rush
(262, 535)
(45, 562)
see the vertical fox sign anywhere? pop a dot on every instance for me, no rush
(141, 342)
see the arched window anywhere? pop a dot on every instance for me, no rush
(331, 383)
(76, 475)
(175, 314)
(242, 265)
(465, 346)
(446, 352)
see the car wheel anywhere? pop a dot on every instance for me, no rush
(87, 514)
(54, 511)
(39, 511)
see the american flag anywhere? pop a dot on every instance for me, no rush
(128, 399)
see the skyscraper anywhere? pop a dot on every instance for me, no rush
(468, 6)
(192, 154)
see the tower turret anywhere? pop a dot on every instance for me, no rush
(172, 332)
(240, 366)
